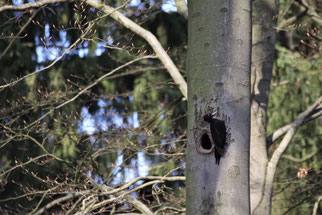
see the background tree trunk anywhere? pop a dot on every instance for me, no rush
(219, 79)
(263, 49)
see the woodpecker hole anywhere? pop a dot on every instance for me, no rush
(205, 145)
(205, 142)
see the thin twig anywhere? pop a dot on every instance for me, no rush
(87, 88)
(299, 160)
(20, 31)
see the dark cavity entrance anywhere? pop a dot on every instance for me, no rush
(205, 142)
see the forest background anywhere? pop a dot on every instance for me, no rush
(91, 121)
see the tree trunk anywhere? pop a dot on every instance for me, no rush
(219, 80)
(264, 37)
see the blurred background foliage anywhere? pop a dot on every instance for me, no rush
(133, 123)
(297, 84)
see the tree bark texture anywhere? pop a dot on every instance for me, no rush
(219, 58)
(263, 50)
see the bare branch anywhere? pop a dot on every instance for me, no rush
(88, 87)
(317, 114)
(35, 141)
(289, 21)
(316, 206)
(18, 34)
(290, 133)
(296, 205)
(107, 190)
(312, 113)
(32, 5)
(157, 179)
(23, 164)
(277, 134)
(90, 195)
(139, 205)
(293, 128)
(311, 11)
(304, 9)
(150, 38)
(59, 200)
(299, 160)
(171, 209)
(10, 84)
(80, 39)
(126, 22)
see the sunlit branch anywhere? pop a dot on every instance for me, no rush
(31, 5)
(303, 9)
(149, 37)
(290, 133)
(139, 205)
(311, 11)
(91, 195)
(293, 128)
(170, 209)
(59, 200)
(145, 34)
(312, 113)
(157, 179)
(291, 20)
(108, 191)
(71, 210)
(106, 46)
(316, 205)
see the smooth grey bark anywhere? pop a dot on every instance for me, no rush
(263, 49)
(219, 58)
